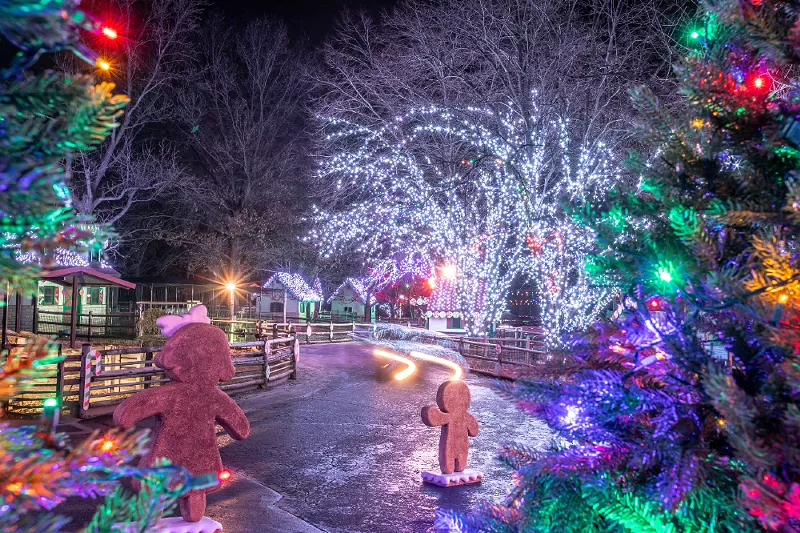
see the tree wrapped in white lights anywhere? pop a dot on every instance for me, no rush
(463, 187)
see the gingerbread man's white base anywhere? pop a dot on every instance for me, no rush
(466, 477)
(176, 524)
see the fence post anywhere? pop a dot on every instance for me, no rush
(85, 383)
(35, 326)
(18, 314)
(461, 346)
(60, 381)
(275, 330)
(295, 357)
(139, 323)
(89, 335)
(331, 334)
(267, 350)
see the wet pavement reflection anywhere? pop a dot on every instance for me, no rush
(346, 449)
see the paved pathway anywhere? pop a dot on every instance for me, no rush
(345, 451)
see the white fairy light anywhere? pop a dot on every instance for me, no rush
(463, 189)
(297, 287)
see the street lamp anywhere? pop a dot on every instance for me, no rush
(231, 286)
(449, 271)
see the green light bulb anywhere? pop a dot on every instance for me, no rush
(50, 402)
(664, 275)
(695, 35)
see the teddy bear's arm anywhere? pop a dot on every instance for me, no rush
(472, 425)
(231, 417)
(431, 416)
(143, 404)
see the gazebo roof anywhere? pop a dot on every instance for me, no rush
(86, 276)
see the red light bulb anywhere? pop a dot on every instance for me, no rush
(111, 33)
(655, 303)
(758, 82)
(224, 475)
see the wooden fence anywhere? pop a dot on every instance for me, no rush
(87, 389)
(503, 358)
(96, 381)
(495, 356)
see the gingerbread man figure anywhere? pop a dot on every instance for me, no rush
(195, 358)
(457, 424)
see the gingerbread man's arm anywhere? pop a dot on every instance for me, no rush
(431, 416)
(141, 405)
(472, 425)
(231, 417)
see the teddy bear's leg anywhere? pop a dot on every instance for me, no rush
(447, 463)
(193, 506)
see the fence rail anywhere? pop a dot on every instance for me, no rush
(89, 325)
(94, 382)
(107, 377)
(494, 356)
(500, 359)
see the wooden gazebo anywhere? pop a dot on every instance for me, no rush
(78, 276)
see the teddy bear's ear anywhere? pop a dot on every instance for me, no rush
(169, 324)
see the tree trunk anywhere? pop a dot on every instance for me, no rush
(234, 256)
(368, 308)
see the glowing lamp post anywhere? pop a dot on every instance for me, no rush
(232, 290)
(449, 271)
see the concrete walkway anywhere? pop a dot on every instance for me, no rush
(340, 451)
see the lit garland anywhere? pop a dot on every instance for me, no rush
(62, 257)
(470, 212)
(296, 286)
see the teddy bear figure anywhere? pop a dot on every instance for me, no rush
(458, 425)
(195, 358)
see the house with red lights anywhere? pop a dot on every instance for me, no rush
(444, 311)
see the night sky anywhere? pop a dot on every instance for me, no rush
(309, 18)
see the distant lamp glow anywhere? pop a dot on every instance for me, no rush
(103, 64)
(449, 271)
(455, 367)
(111, 33)
(403, 374)
(783, 298)
(230, 286)
(50, 402)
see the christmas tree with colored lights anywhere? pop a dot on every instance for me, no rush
(44, 118)
(678, 413)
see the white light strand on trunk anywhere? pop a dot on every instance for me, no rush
(468, 187)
